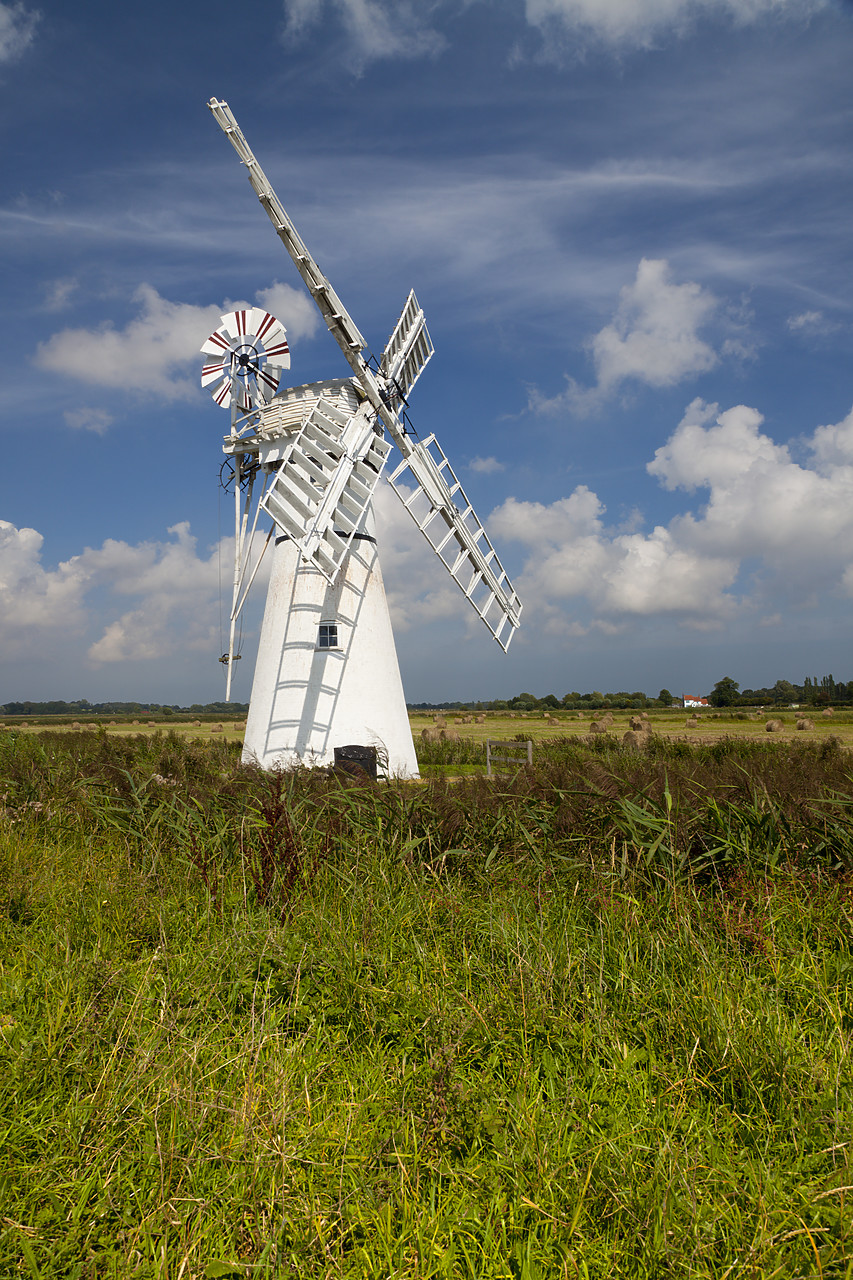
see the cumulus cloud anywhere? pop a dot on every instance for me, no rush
(625, 24)
(486, 466)
(17, 29)
(374, 29)
(34, 600)
(792, 524)
(81, 605)
(157, 352)
(654, 338)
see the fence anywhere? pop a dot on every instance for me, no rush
(501, 755)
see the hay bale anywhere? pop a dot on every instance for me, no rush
(430, 734)
(691, 723)
(805, 724)
(598, 726)
(25, 724)
(76, 725)
(449, 735)
(635, 739)
(152, 724)
(774, 726)
(828, 712)
(481, 719)
(639, 725)
(216, 728)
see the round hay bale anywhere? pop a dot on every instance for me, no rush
(598, 726)
(449, 735)
(197, 724)
(828, 712)
(691, 723)
(76, 725)
(430, 734)
(774, 726)
(639, 725)
(216, 728)
(152, 724)
(805, 724)
(634, 739)
(25, 724)
(481, 719)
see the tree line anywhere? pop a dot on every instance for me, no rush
(85, 708)
(727, 692)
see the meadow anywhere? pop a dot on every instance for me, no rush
(590, 1019)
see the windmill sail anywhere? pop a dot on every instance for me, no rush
(447, 520)
(438, 506)
(409, 349)
(324, 483)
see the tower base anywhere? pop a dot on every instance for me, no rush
(327, 673)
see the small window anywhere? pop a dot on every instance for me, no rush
(328, 636)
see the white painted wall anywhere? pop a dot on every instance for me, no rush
(307, 701)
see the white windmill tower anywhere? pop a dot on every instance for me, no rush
(327, 675)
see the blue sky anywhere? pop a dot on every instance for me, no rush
(628, 222)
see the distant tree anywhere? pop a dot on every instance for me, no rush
(724, 693)
(784, 692)
(550, 700)
(523, 702)
(665, 697)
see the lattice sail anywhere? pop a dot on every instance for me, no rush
(409, 349)
(324, 483)
(447, 520)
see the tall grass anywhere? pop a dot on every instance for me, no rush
(593, 1020)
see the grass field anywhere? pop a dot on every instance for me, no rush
(590, 1021)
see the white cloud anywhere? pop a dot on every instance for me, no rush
(17, 29)
(96, 420)
(418, 587)
(34, 600)
(154, 352)
(640, 23)
(173, 588)
(486, 466)
(811, 324)
(654, 338)
(58, 293)
(374, 29)
(793, 524)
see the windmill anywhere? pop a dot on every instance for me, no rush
(327, 674)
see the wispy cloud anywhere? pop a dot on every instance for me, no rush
(17, 30)
(639, 24)
(96, 420)
(374, 29)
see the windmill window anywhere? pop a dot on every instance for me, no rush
(328, 638)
